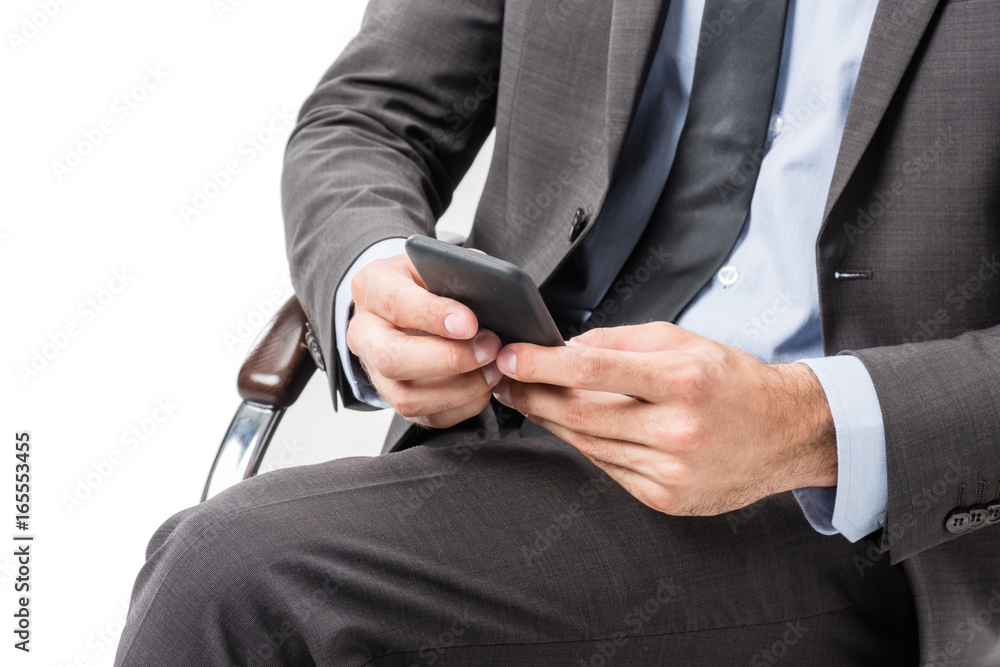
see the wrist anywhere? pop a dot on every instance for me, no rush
(809, 432)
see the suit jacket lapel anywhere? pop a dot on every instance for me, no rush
(896, 32)
(636, 26)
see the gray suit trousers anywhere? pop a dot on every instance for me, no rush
(494, 548)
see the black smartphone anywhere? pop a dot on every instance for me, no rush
(502, 295)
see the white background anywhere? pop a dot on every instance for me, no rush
(190, 293)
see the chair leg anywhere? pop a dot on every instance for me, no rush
(242, 449)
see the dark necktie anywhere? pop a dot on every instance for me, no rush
(706, 199)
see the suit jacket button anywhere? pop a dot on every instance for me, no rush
(580, 219)
(957, 522)
(312, 344)
(993, 513)
(977, 516)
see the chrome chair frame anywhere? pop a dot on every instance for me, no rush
(273, 375)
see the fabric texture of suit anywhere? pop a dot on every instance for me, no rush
(907, 258)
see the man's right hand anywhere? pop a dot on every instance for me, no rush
(424, 354)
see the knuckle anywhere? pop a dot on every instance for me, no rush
(669, 503)
(386, 362)
(353, 340)
(359, 285)
(433, 310)
(365, 285)
(658, 498)
(691, 381)
(576, 414)
(391, 306)
(595, 337)
(589, 368)
(437, 420)
(629, 459)
(453, 359)
(652, 376)
(586, 446)
(663, 329)
(598, 448)
(685, 437)
(455, 396)
(427, 315)
(406, 403)
(672, 473)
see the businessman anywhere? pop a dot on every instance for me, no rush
(770, 231)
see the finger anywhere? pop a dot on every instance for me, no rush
(622, 453)
(651, 337)
(642, 374)
(454, 415)
(398, 355)
(661, 468)
(392, 289)
(599, 414)
(419, 398)
(627, 464)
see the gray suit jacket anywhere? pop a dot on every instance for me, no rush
(908, 257)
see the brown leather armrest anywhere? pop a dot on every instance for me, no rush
(278, 367)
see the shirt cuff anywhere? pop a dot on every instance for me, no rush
(361, 386)
(857, 505)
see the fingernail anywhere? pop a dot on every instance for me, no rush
(502, 393)
(453, 325)
(507, 362)
(485, 346)
(492, 374)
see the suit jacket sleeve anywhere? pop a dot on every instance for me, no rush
(939, 404)
(382, 142)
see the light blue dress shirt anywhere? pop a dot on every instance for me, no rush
(765, 299)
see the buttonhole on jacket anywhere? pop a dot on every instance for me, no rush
(853, 274)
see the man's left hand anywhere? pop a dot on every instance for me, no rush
(686, 425)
